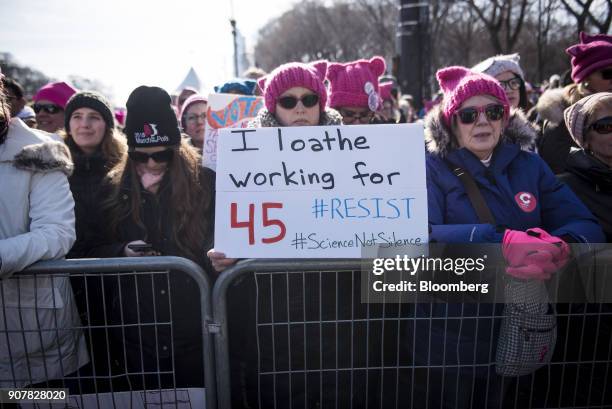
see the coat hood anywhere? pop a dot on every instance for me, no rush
(34, 150)
(439, 140)
(265, 119)
(551, 105)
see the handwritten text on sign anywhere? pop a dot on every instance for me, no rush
(319, 191)
(226, 111)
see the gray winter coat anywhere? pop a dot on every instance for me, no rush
(36, 223)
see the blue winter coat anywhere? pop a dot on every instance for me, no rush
(512, 172)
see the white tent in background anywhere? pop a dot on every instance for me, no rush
(191, 80)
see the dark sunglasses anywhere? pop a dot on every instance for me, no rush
(493, 112)
(159, 157)
(513, 83)
(352, 116)
(48, 108)
(606, 74)
(290, 102)
(602, 126)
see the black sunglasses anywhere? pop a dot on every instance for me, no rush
(513, 83)
(606, 74)
(159, 157)
(48, 108)
(494, 112)
(602, 126)
(290, 102)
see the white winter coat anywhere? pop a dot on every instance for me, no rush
(39, 335)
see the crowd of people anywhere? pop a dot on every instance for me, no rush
(81, 180)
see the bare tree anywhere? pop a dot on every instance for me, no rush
(503, 20)
(582, 11)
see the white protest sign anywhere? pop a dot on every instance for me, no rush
(226, 111)
(320, 192)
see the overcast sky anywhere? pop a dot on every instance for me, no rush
(126, 43)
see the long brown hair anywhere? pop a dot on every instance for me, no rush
(113, 146)
(188, 199)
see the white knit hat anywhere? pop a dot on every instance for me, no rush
(500, 63)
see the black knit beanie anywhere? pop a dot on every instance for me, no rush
(92, 100)
(150, 120)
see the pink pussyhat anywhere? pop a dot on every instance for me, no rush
(590, 55)
(385, 91)
(57, 92)
(355, 84)
(291, 75)
(459, 84)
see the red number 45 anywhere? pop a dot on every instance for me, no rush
(266, 221)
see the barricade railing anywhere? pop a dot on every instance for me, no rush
(283, 341)
(124, 346)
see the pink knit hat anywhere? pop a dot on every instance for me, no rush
(195, 98)
(355, 84)
(591, 54)
(459, 84)
(57, 92)
(291, 75)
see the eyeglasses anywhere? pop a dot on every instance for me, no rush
(493, 112)
(290, 102)
(48, 108)
(159, 157)
(513, 83)
(193, 118)
(606, 74)
(349, 116)
(602, 126)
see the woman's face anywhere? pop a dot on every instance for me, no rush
(299, 114)
(87, 128)
(600, 144)
(49, 116)
(512, 85)
(356, 115)
(151, 165)
(195, 122)
(478, 125)
(600, 81)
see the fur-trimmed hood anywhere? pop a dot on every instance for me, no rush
(551, 105)
(265, 119)
(439, 140)
(34, 150)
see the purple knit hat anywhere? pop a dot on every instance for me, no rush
(590, 55)
(355, 84)
(291, 75)
(57, 92)
(459, 84)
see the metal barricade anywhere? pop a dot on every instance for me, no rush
(296, 345)
(124, 346)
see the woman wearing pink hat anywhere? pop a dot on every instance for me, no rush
(484, 187)
(591, 73)
(49, 104)
(193, 119)
(354, 89)
(295, 95)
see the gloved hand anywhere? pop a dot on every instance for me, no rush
(533, 254)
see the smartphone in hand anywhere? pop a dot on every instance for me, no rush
(140, 247)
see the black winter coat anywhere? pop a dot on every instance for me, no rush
(85, 184)
(591, 180)
(554, 146)
(171, 301)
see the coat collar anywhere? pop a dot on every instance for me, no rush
(34, 150)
